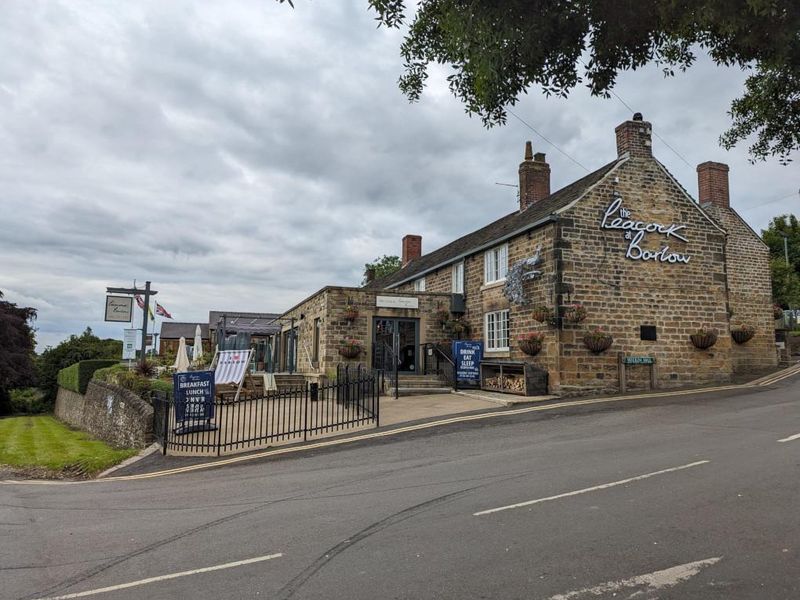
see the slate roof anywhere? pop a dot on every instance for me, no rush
(245, 322)
(495, 231)
(171, 330)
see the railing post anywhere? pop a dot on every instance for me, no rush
(166, 424)
(305, 414)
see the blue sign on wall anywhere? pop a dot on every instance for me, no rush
(194, 395)
(467, 356)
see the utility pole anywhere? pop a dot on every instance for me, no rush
(146, 292)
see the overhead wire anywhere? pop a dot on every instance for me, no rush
(529, 126)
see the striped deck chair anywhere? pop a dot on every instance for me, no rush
(230, 368)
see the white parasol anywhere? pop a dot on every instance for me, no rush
(182, 359)
(197, 349)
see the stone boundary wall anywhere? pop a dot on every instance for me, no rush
(108, 412)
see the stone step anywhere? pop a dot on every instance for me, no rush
(418, 391)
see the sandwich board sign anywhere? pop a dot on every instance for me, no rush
(467, 355)
(193, 394)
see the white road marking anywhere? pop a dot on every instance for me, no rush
(791, 438)
(131, 584)
(654, 581)
(591, 489)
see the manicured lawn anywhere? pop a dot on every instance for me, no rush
(42, 441)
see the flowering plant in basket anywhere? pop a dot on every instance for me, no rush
(350, 311)
(742, 333)
(704, 337)
(543, 314)
(350, 348)
(598, 340)
(531, 343)
(574, 313)
(442, 316)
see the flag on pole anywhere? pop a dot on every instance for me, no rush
(162, 312)
(140, 302)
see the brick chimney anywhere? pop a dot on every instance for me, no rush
(412, 248)
(712, 184)
(534, 178)
(634, 137)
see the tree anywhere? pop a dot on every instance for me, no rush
(74, 349)
(381, 267)
(496, 51)
(16, 349)
(785, 278)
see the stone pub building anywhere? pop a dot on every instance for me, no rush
(625, 250)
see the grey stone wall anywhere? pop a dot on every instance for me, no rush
(108, 412)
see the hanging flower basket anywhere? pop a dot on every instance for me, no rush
(457, 326)
(350, 348)
(743, 333)
(442, 317)
(703, 338)
(574, 313)
(531, 343)
(777, 311)
(350, 312)
(598, 341)
(543, 314)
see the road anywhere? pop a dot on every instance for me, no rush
(682, 497)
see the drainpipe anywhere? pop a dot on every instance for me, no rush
(558, 262)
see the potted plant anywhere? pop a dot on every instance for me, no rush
(703, 338)
(442, 316)
(742, 333)
(598, 340)
(350, 348)
(777, 311)
(531, 343)
(350, 311)
(574, 313)
(543, 314)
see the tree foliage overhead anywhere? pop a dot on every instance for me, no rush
(381, 267)
(16, 348)
(785, 277)
(498, 49)
(74, 349)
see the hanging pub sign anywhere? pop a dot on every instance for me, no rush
(193, 394)
(619, 217)
(467, 355)
(119, 309)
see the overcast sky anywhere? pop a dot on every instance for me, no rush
(242, 155)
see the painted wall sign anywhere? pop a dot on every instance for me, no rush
(396, 302)
(194, 395)
(119, 309)
(467, 356)
(129, 338)
(619, 217)
(639, 360)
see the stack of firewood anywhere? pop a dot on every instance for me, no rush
(507, 382)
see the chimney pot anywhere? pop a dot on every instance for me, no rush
(633, 137)
(712, 184)
(412, 248)
(534, 178)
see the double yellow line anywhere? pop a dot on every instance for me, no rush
(769, 380)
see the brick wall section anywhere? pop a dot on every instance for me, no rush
(329, 304)
(621, 294)
(712, 180)
(108, 412)
(749, 291)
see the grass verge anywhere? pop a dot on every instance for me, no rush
(42, 444)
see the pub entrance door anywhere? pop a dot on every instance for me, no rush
(395, 337)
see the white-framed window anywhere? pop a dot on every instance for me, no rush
(458, 278)
(495, 264)
(419, 284)
(496, 328)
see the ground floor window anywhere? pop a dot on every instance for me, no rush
(496, 328)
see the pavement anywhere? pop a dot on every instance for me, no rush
(682, 496)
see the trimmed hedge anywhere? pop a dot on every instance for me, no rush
(76, 377)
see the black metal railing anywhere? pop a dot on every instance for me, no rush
(437, 360)
(255, 421)
(384, 355)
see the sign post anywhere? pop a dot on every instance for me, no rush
(146, 293)
(467, 356)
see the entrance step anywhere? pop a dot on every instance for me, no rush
(284, 381)
(418, 391)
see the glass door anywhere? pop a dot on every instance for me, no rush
(395, 337)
